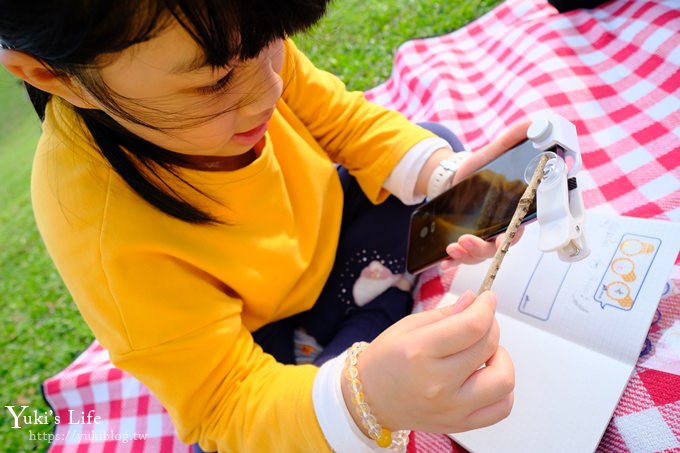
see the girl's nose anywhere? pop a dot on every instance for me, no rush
(264, 92)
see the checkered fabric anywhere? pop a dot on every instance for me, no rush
(132, 420)
(613, 71)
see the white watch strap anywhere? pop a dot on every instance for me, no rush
(404, 177)
(443, 175)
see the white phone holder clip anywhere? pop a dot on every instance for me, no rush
(559, 204)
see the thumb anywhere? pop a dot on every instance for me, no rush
(464, 301)
(421, 319)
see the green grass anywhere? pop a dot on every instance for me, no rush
(41, 329)
(358, 38)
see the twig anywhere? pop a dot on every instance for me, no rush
(523, 205)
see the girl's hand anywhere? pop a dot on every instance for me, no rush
(438, 371)
(482, 156)
(472, 250)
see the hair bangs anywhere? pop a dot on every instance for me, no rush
(242, 29)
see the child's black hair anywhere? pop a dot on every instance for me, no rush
(73, 37)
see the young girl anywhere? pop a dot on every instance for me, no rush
(208, 196)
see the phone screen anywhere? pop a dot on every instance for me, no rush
(482, 204)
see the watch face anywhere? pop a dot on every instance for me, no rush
(448, 166)
(452, 163)
(442, 176)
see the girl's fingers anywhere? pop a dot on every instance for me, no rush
(490, 414)
(456, 332)
(512, 136)
(469, 250)
(491, 390)
(477, 247)
(464, 301)
(472, 249)
(491, 383)
(446, 365)
(429, 317)
(509, 138)
(484, 398)
(468, 361)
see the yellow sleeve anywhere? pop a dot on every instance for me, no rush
(203, 365)
(367, 139)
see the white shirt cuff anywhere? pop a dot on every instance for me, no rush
(402, 181)
(342, 434)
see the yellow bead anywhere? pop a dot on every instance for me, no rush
(385, 439)
(355, 384)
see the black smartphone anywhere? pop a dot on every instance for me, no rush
(481, 204)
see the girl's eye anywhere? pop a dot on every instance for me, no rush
(216, 87)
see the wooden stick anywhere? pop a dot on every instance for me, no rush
(523, 205)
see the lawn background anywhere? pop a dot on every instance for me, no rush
(42, 331)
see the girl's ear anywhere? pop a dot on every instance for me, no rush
(34, 72)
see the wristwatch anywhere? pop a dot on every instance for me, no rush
(442, 177)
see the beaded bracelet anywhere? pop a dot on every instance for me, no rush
(396, 441)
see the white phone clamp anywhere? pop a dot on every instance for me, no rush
(559, 204)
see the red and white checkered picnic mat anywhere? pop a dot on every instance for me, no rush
(613, 71)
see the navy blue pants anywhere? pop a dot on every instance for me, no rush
(368, 232)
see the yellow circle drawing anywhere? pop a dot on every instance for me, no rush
(620, 292)
(625, 267)
(633, 246)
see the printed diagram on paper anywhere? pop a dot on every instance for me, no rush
(621, 280)
(574, 330)
(627, 271)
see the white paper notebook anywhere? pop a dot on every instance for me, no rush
(574, 331)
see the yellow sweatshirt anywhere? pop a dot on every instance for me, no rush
(173, 302)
